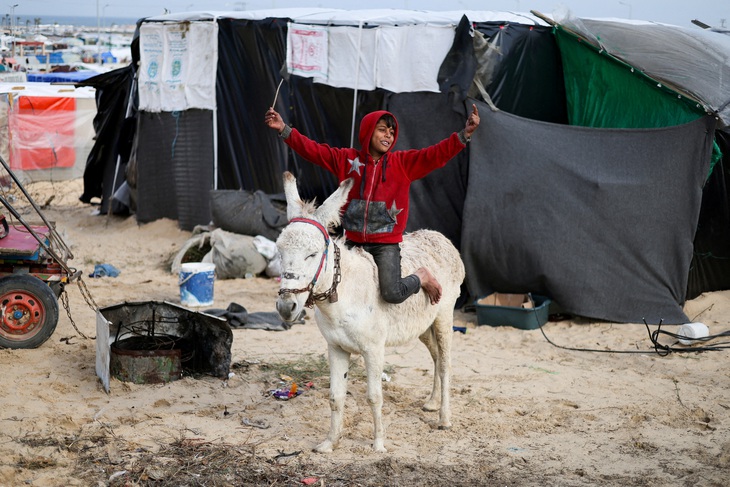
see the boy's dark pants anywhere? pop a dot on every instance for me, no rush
(393, 288)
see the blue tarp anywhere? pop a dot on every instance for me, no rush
(51, 57)
(106, 57)
(72, 77)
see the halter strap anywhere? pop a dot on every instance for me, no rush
(331, 293)
(323, 260)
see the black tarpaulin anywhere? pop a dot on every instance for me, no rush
(710, 269)
(436, 201)
(175, 176)
(250, 54)
(114, 135)
(522, 71)
(600, 220)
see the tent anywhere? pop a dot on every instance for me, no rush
(598, 179)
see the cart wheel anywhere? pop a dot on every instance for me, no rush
(29, 312)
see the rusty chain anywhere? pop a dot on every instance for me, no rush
(89, 301)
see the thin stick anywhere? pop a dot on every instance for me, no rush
(277, 92)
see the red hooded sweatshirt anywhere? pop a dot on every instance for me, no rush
(377, 207)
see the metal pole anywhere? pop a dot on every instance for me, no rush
(98, 32)
(103, 21)
(12, 30)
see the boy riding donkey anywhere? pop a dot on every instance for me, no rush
(377, 208)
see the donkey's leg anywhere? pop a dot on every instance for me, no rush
(374, 361)
(444, 332)
(339, 365)
(434, 401)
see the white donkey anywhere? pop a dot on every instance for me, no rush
(351, 315)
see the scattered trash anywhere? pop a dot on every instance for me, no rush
(287, 392)
(117, 475)
(104, 270)
(543, 370)
(692, 333)
(254, 424)
(284, 455)
(155, 473)
(310, 480)
(461, 329)
(385, 377)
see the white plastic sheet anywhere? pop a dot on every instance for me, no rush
(399, 59)
(46, 130)
(178, 66)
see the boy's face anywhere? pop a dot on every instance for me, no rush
(382, 139)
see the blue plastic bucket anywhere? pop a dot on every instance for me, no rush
(196, 284)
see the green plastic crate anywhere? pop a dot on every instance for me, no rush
(517, 317)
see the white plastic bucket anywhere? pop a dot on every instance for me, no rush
(196, 284)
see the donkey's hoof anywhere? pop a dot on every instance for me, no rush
(379, 447)
(324, 447)
(445, 426)
(431, 406)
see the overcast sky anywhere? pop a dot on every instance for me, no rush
(678, 12)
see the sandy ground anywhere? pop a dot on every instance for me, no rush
(525, 411)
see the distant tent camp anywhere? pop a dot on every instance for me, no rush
(598, 179)
(61, 77)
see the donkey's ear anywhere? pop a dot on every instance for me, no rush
(294, 203)
(329, 211)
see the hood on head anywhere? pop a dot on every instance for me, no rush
(367, 127)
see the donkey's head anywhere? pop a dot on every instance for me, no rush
(303, 247)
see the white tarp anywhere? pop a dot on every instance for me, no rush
(393, 49)
(371, 17)
(306, 50)
(179, 62)
(399, 59)
(350, 45)
(418, 52)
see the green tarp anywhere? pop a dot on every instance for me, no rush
(604, 92)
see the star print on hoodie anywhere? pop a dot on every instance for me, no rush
(393, 212)
(355, 165)
(381, 190)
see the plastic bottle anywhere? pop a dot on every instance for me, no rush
(692, 332)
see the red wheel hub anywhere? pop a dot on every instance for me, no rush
(22, 314)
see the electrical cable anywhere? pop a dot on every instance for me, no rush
(660, 349)
(664, 350)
